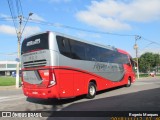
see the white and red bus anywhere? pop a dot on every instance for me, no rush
(55, 65)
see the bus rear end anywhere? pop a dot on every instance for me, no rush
(38, 78)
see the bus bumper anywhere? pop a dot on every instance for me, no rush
(41, 93)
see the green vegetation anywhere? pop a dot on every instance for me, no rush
(158, 75)
(7, 81)
(147, 75)
(144, 75)
(149, 62)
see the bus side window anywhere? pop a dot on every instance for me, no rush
(106, 55)
(64, 43)
(77, 50)
(122, 58)
(92, 53)
(64, 46)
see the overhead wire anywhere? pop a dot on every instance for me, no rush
(21, 7)
(91, 31)
(76, 28)
(85, 30)
(8, 19)
(5, 19)
(81, 29)
(10, 4)
(150, 41)
(18, 4)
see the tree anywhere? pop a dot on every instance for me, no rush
(148, 61)
(156, 62)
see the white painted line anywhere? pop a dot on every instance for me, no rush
(145, 83)
(3, 98)
(142, 83)
(11, 98)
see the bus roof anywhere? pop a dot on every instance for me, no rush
(85, 41)
(122, 51)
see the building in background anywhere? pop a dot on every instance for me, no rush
(7, 68)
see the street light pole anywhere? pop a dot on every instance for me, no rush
(19, 35)
(158, 62)
(136, 48)
(18, 55)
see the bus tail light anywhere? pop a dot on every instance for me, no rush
(52, 81)
(48, 77)
(44, 74)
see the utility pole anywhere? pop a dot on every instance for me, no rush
(136, 49)
(19, 36)
(158, 62)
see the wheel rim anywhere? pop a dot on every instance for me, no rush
(129, 82)
(92, 90)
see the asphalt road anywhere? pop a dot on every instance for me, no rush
(143, 95)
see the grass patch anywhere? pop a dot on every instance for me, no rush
(157, 74)
(144, 75)
(7, 81)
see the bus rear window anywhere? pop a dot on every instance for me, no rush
(36, 42)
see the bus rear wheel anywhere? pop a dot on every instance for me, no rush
(91, 90)
(129, 82)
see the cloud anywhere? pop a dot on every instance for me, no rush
(141, 11)
(10, 30)
(102, 22)
(6, 29)
(116, 14)
(29, 30)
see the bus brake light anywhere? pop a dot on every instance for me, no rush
(53, 81)
(44, 74)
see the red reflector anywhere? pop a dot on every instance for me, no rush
(44, 74)
(52, 80)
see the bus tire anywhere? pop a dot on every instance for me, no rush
(129, 82)
(91, 90)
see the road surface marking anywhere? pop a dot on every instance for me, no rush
(3, 98)
(145, 83)
(11, 98)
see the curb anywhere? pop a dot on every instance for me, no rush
(13, 87)
(142, 78)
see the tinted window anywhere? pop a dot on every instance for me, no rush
(111, 56)
(35, 42)
(77, 50)
(92, 53)
(63, 45)
(83, 51)
(121, 58)
(106, 55)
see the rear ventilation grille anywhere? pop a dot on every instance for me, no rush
(36, 63)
